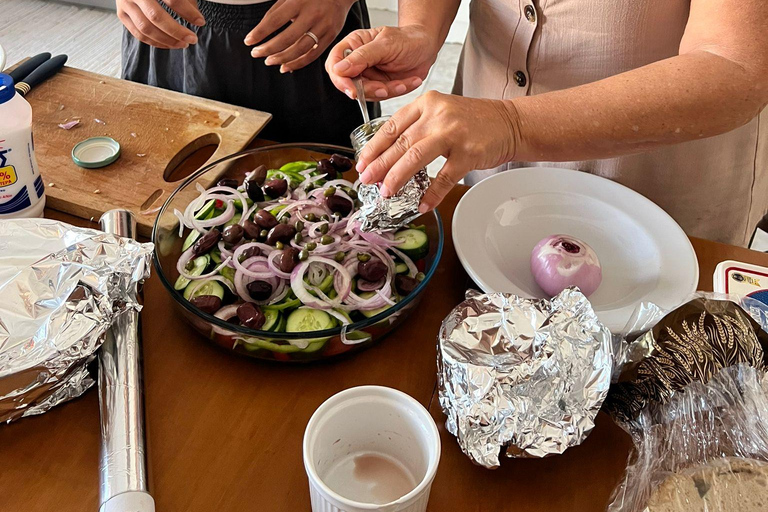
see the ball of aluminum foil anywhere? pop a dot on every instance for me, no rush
(387, 213)
(529, 375)
(61, 288)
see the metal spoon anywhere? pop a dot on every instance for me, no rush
(358, 81)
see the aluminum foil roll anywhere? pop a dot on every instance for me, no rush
(528, 375)
(61, 288)
(378, 213)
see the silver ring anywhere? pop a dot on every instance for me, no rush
(314, 38)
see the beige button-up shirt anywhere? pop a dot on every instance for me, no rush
(716, 188)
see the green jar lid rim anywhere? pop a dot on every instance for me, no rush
(96, 152)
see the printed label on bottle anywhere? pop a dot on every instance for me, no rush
(7, 172)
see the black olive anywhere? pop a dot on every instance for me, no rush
(372, 270)
(324, 166)
(341, 163)
(275, 188)
(206, 242)
(259, 175)
(281, 233)
(206, 303)
(228, 182)
(265, 219)
(259, 290)
(254, 191)
(233, 234)
(250, 315)
(251, 229)
(287, 260)
(336, 203)
(250, 253)
(404, 284)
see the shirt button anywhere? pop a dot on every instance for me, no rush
(530, 13)
(520, 78)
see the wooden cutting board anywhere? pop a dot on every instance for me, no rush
(158, 131)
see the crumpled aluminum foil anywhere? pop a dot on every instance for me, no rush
(384, 214)
(527, 374)
(61, 287)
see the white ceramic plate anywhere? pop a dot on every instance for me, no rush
(645, 255)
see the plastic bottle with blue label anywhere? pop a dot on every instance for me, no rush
(22, 193)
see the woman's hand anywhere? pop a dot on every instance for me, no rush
(148, 22)
(293, 48)
(392, 61)
(470, 133)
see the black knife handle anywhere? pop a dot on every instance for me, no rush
(24, 69)
(42, 73)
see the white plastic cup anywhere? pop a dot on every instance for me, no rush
(369, 421)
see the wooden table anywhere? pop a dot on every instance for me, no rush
(224, 433)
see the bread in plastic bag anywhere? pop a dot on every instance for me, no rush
(694, 399)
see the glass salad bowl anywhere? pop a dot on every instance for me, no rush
(289, 333)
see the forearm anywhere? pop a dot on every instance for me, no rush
(683, 98)
(436, 16)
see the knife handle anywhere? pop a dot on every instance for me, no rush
(46, 70)
(24, 69)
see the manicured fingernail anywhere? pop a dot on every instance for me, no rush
(199, 22)
(349, 94)
(269, 61)
(190, 39)
(342, 66)
(384, 191)
(284, 70)
(380, 93)
(400, 89)
(256, 52)
(423, 208)
(360, 167)
(416, 82)
(366, 178)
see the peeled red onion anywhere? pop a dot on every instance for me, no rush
(560, 261)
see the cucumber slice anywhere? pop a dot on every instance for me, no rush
(253, 344)
(372, 312)
(413, 242)
(239, 205)
(401, 268)
(198, 267)
(206, 212)
(201, 288)
(277, 209)
(191, 239)
(307, 319)
(284, 304)
(234, 220)
(325, 285)
(229, 273)
(272, 319)
(216, 256)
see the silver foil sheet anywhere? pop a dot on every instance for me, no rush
(528, 375)
(61, 288)
(384, 214)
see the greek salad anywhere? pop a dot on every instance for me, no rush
(282, 251)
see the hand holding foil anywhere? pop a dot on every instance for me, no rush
(61, 286)
(527, 374)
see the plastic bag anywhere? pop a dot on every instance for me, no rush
(691, 395)
(706, 449)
